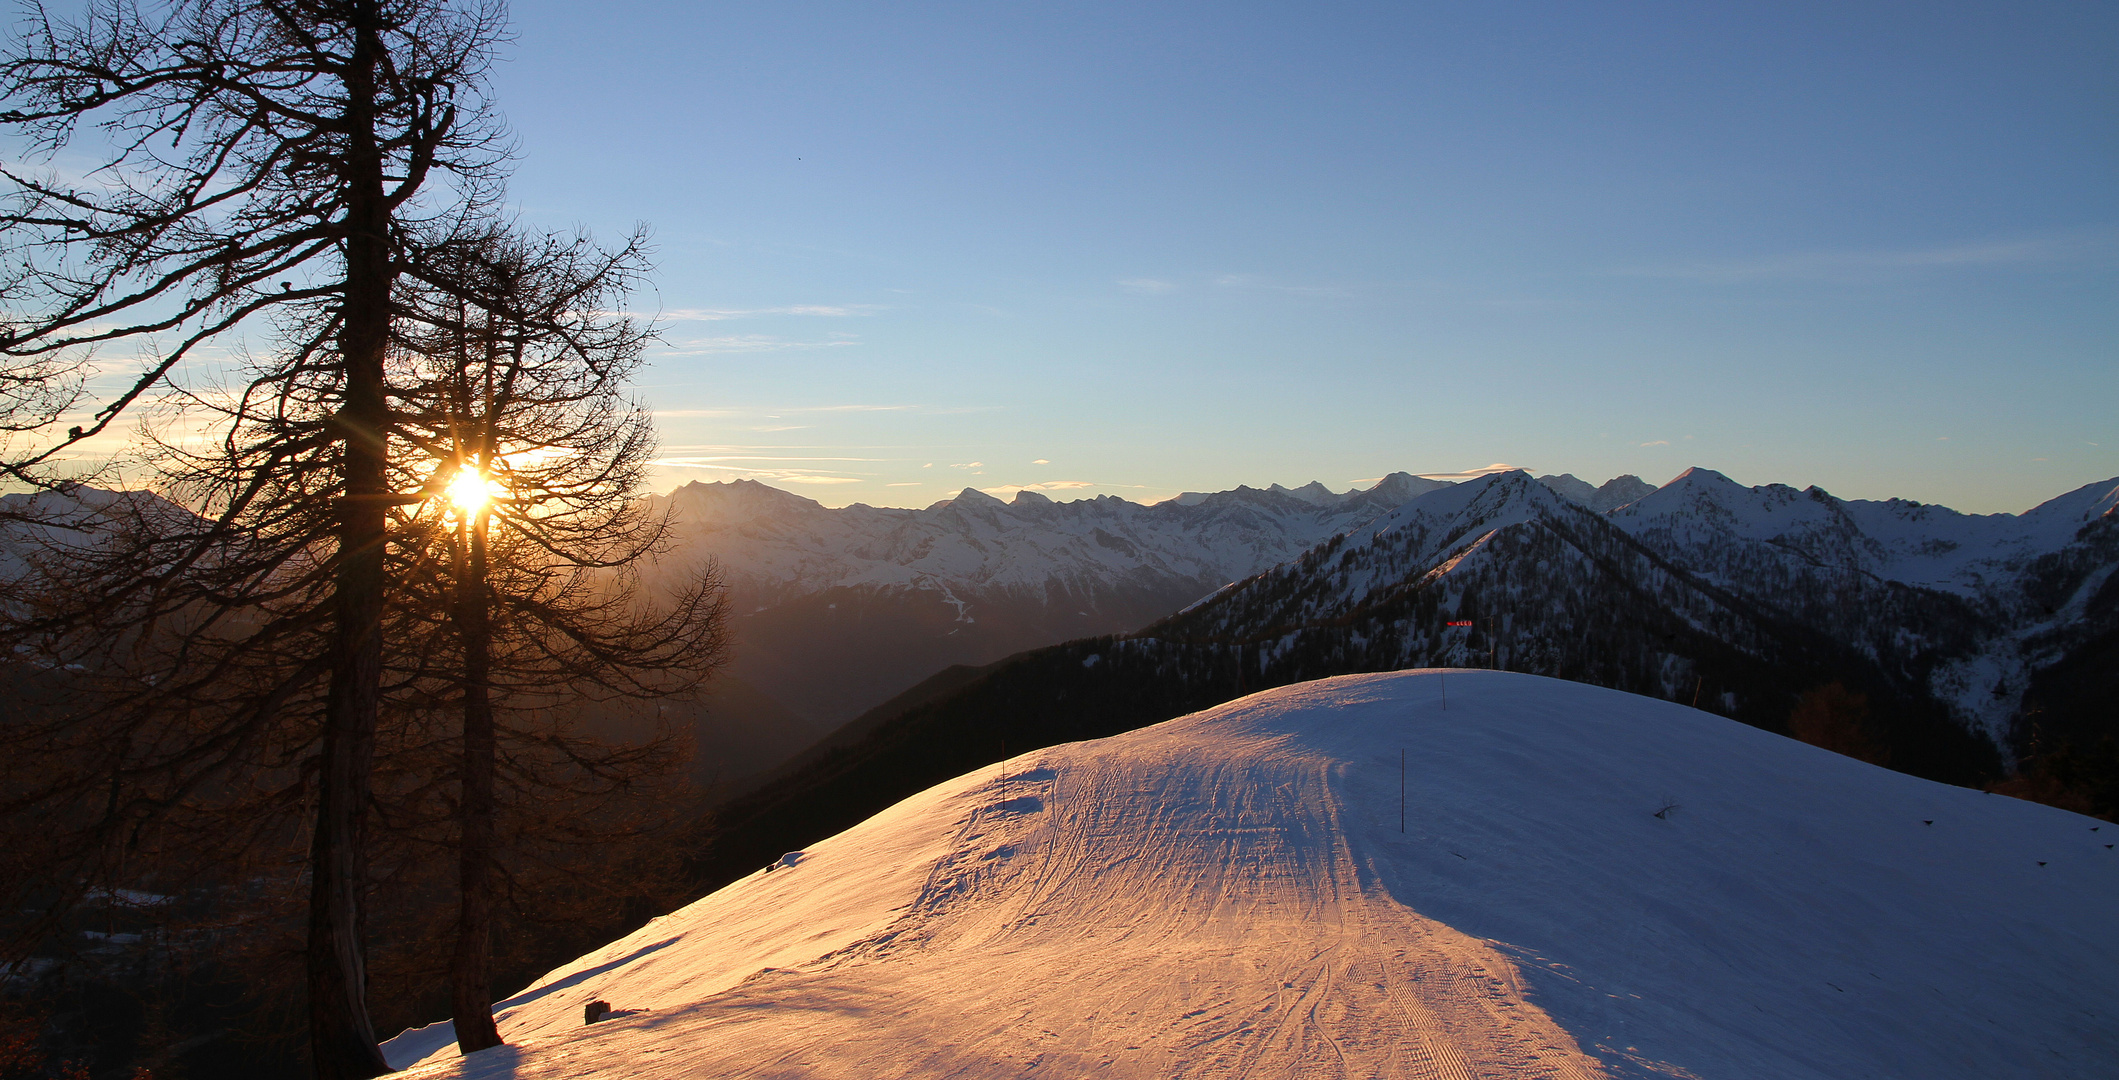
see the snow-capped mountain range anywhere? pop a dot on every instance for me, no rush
(837, 609)
(1865, 571)
(1961, 607)
(774, 546)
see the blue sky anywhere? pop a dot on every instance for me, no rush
(1142, 248)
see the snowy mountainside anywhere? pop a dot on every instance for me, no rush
(1425, 874)
(1700, 582)
(47, 528)
(1501, 572)
(1724, 529)
(773, 545)
(1763, 592)
(836, 610)
(1613, 494)
(1968, 605)
(1398, 551)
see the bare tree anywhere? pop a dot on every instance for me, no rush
(259, 154)
(532, 558)
(188, 636)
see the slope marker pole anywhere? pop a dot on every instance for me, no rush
(1401, 789)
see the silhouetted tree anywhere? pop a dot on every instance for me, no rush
(259, 153)
(531, 565)
(185, 637)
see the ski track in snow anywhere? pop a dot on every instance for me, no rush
(1229, 895)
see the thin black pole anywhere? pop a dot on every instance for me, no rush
(1401, 789)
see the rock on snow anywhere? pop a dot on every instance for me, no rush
(1229, 893)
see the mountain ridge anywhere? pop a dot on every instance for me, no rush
(837, 610)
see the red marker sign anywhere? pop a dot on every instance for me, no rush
(1460, 622)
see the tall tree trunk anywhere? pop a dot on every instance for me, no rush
(341, 1036)
(470, 974)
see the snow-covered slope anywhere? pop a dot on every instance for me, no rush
(1586, 884)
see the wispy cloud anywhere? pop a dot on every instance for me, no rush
(1146, 286)
(1843, 265)
(825, 311)
(750, 343)
(1469, 474)
(774, 447)
(1253, 281)
(1657, 442)
(754, 472)
(722, 461)
(768, 413)
(1050, 485)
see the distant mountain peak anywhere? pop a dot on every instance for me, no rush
(972, 496)
(737, 500)
(1614, 493)
(1700, 476)
(1314, 493)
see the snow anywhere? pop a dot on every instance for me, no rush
(1896, 540)
(1230, 893)
(1777, 544)
(772, 546)
(1614, 493)
(1430, 535)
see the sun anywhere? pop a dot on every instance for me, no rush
(471, 491)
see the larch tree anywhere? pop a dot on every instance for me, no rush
(257, 156)
(530, 562)
(187, 639)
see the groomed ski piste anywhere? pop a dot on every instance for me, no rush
(1586, 884)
